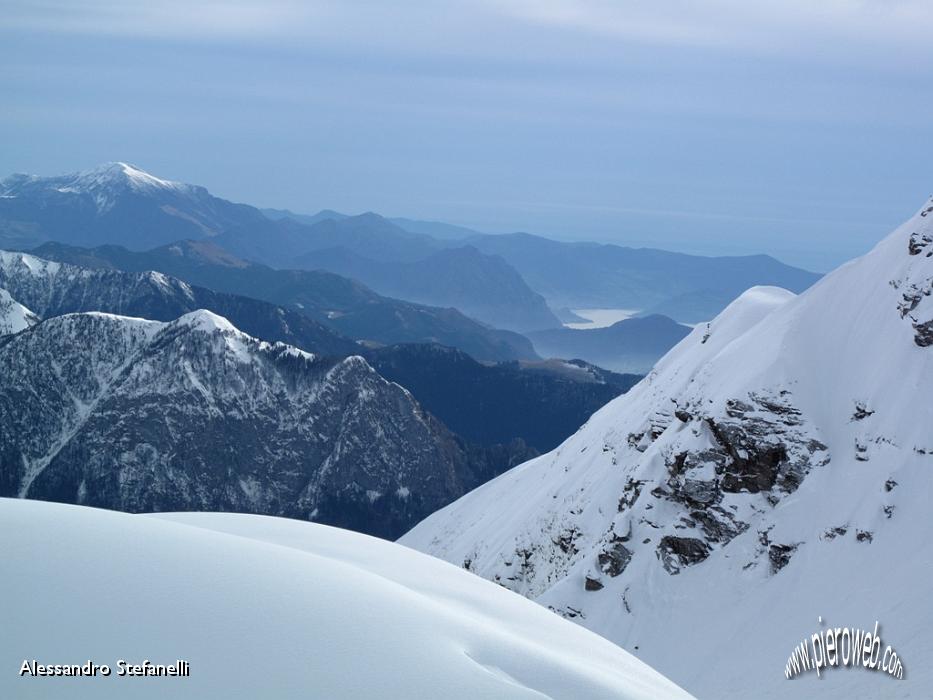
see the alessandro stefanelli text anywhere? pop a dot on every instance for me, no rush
(179, 668)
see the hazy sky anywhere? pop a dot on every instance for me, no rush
(801, 128)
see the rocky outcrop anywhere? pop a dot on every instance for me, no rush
(919, 242)
(614, 558)
(780, 555)
(727, 502)
(923, 336)
(677, 552)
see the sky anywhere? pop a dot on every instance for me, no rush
(796, 128)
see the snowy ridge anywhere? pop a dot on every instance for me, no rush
(43, 285)
(774, 468)
(51, 289)
(329, 613)
(14, 317)
(23, 262)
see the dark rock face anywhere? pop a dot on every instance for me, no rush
(758, 439)
(614, 558)
(780, 555)
(630, 493)
(918, 242)
(753, 467)
(913, 294)
(565, 541)
(592, 584)
(718, 524)
(193, 415)
(756, 446)
(677, 552)
(760, 446)
(861, 411)
(835, 532)
(924, 334)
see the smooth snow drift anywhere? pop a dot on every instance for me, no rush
(268, 608)
(774, 468)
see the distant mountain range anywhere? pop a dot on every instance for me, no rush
(688, 288)
(581, 275)
(117, 203)
(509, 408)
(342, 304)
(507, 281)
(460, 288)
(435, 229)
(482, 286)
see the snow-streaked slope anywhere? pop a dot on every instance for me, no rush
(776, 466)
(193, 414)
(269, 608)
(14, 317)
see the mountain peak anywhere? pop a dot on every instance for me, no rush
(119, 174)
(103, 183)
(207, 321)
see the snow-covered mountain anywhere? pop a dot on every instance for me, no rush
(772, 475)
(14, 317)
(51, 288)
(193, 414)
(102, 185)
(266, 608)
(116, 203)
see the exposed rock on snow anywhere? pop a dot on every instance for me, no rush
(732, 466)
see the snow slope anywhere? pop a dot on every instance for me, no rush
(774, 468)
(268, 608)
(14, 317)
